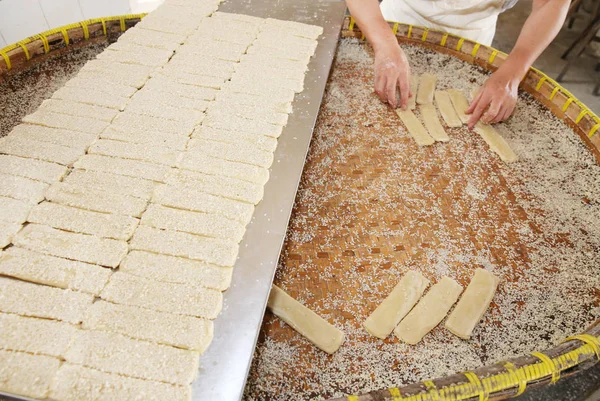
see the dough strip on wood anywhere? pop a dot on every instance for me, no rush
(429, 312)
(414, 87)
(432, 123)
(401, 300)
(496, 142)
(426, 88)
(415, 128)
(461, 104)
(444, 104)
(306, 322)
(473, 304)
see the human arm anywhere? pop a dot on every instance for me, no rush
(392, 70)
(499, 93)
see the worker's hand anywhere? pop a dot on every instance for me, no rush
(496, 100)
(392, 72)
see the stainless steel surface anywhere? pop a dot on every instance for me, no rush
(224, 367)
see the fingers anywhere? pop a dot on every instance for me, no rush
(391, 92)
(380, 87)
(477, 110)
(473, 104)
(404, 85)
(495, 110)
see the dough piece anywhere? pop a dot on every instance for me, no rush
(106, 182)
(460, 103)
(185, 78)
(13, 210)
(279, 54)
(205, 224)
(77, 383)
(138, 359)
(162, 84)
(295, 28)
(36, 336)
(382, 321)
(156, 139)
(30, 168)
(7, 232)
(181, 299)
(213, 68)
(39, 150)
(126, 167)
(496, 142)
(244, 125)
(171, 99)
(124, 77)
(95, 200)
(135, 151)
(444, 104)
(426, 88)
(168, 26)
(415, 128)
(429, 312)
(56, 120)
(235, 153)
(114, 69)
(125, 121)
(250, 99)
(230, 188)
(222, 35)
(85, 248)
(243, 78)
(179, 331)
(246, 19)
(152, 52)
(61, 137)
(432, 123)
(202, 163)
(212, 250)
(55, 272)
(85, 96)
(171, 269)
(158, 40)
(197, 200)
(414, 88)
(473, 304)
(306, 322)
(125, 57)
(262, 88)
(239, 138)
(34, 300)
(97, 85)
(300, 45)
(83, 221)
(251, 68)
(231, 52)
(79, 109)
(221, 109)
(262, 59)
(161, 110)
(27, 375)
(22, 188)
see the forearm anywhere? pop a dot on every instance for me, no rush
(371, 22)
(542, 26)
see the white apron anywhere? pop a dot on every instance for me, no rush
(471, 19)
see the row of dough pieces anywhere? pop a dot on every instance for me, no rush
(205, 194)
(398, 312)
(452, 105)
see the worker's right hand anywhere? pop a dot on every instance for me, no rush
(392, 72)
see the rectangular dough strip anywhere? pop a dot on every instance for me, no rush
(426, 88)
(382, 321)
(429, 312)
(473, 304)
(306, 322)
(432, 123)
(26, 374)
(461, 104)
(496, 142)
(31, 168)
(415, 128)
(444, 104)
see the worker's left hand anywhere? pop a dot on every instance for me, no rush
(496, 99)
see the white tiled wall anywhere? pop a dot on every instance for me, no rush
(22, 18)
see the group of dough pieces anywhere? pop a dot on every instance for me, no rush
(452, 105)
(404, 312)
(124, 198)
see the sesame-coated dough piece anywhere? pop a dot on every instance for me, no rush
(26, 374)
(446, 108)
(426, 88)
(415, 128)
(432, 123)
